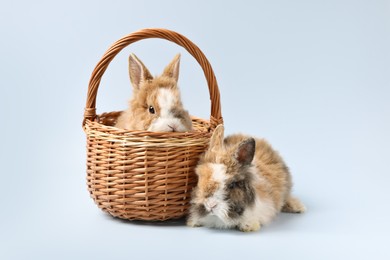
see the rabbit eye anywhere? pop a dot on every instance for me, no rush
(233, 185)
(236, 184)
(151, 110)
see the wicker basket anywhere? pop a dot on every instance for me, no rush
(141, 175)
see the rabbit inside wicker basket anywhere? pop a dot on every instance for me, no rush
(156, 103)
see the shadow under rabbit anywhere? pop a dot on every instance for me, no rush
(282, 223)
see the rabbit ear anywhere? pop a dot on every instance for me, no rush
(172, 70)
(246, 151)
(216, 141)
(138, 72)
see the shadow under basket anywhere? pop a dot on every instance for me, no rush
(141, 175)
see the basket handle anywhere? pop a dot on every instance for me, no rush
(90, 108)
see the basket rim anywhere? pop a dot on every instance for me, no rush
(93, 125)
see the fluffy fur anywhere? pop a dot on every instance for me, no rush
(156, 104)
(242, 182)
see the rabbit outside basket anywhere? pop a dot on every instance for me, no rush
(141, 175)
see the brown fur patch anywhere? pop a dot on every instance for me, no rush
(205, 189)
(207, 185)
(293, 205)
(272, 167)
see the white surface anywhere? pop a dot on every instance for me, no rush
(313, 77)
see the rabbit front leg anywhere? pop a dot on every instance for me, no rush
(249, 224)
(193, 222)
(194, 217)
(261, 213)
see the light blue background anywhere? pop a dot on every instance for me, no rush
(313, 77)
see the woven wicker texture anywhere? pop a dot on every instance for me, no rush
(141, 175)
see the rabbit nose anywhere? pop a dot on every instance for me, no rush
(173, 127)
(210, 204)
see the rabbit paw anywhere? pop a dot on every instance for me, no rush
(193, 223)
(249, 227)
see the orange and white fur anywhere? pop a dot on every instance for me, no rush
(242, 182)
(156, 104)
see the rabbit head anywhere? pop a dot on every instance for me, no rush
(156, 104)
(225, 186)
